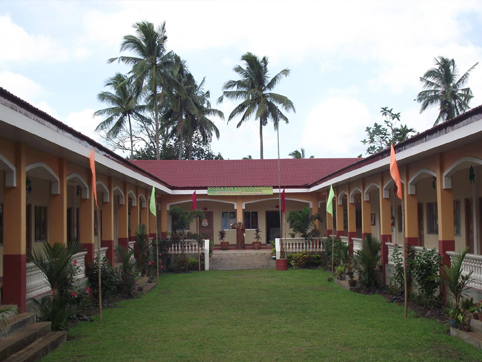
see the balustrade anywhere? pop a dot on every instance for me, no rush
(472, 263)
(357, 244)
(297, 245)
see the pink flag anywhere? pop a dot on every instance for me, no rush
(194, 202)
(92, 168)
(395, 173)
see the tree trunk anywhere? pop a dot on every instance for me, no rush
(130, 134)
(181, 139)
(261, 139)
(158, 156)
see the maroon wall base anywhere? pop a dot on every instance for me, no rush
(132, 238)
(443, 247)
(340, 233)
(412, 241)
(153, 236)
(89, 258)
(15, 281)
(364, 235)
(110, 252)
(351, 235)
(329, 232)
(124, 242)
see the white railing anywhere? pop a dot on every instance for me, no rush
(391, 248)
(297, 245)
(79, 261)
(131, 247)
(36, 281)
(344, 239)
(472, 263)
(103, 253)
(357, 244)
(191, 246)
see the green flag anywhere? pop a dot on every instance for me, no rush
(152, 205)
(329, 201)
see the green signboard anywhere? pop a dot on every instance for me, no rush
(237, 191)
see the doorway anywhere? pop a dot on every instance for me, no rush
(469, 225)
(206, 225)
(272, 226)
(421, 241)
(29, 229)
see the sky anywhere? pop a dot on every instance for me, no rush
(347, 60)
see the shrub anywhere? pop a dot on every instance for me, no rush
(304, 260)
(397, 280)
(339, 250)
(127, 270)
(192, 264)
(142, 249)
(367, 259)
(111, 280)
(426, 265)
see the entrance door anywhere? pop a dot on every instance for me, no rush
(206, 225)
(272, 226)
(469, 225)
(420, 224)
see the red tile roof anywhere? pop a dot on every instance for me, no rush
(201, 174)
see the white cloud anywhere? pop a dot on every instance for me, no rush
(21, 86)
(85, 123)
(335, 128)
(19, 46)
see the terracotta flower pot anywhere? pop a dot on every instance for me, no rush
(257, 245)
(224, 245)
(281, 264)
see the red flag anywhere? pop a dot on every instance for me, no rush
(395, 173)
(194, 202)
(283, 206)
(92, 168)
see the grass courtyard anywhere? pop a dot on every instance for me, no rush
(259, 315)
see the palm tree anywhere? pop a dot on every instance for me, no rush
(201, 123)
(124, 107)
(443, 89)
(298, 154)
(151, 67)
(254, 89)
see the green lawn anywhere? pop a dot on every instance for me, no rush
(259, 315)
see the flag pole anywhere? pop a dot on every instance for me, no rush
(279, 197)
(405, 261)
(157, 253)
(99, 262)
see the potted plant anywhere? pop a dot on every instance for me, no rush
(273, 249)
(340, 272)
(257, 238)
(224, 244)
(292, 235)
(351, 280)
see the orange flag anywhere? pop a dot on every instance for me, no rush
(395, 173)
(92, 168)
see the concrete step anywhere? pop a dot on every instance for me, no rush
(476, 325)
(39, 348)
(239, 260)
(16, 322)
(22, 338)
(473, 337)
(9, 310)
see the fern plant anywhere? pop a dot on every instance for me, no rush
(367, 259)
(455, 281)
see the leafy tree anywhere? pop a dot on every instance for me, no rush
(152, 65)
(248, 157)
(200, 150)
(381, 136)
(298, 154)
(302, 222)
(443, 89)
(254, 89)
(182, 220)
(124, 106)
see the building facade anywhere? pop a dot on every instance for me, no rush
(46, 193)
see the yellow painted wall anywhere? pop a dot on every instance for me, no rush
(375, 209)
(40, 196)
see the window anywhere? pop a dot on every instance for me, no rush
(227, 219)
(399, 218)
(251, 219)
(432, 218)
(1, 224)
(457, 222)
(40, 223)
